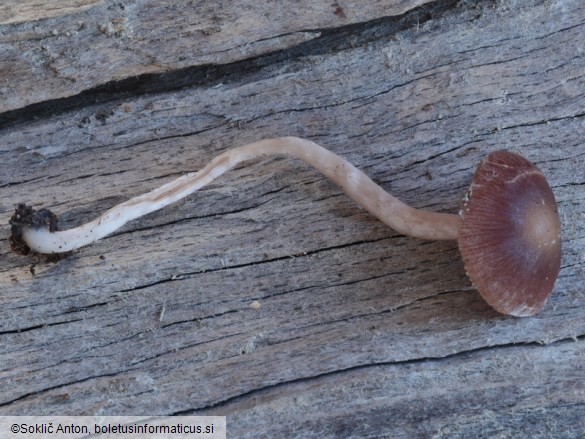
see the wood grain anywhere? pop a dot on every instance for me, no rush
(22, 11)
(64, 47)
(271, 298)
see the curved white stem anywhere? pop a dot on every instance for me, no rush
(393, 212)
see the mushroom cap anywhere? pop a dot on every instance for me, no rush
(509, 235)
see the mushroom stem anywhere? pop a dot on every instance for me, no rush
(399, 216)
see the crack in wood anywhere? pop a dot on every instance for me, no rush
(313, 378)
(183, 276)
(543, 122)
(331, 40)
(39, 326)
(251, 393)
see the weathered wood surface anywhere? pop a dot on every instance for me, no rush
(57, 57)
(270, 297)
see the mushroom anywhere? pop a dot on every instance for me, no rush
(508, 228)
(509, 235)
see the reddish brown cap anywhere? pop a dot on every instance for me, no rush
(510, 234)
